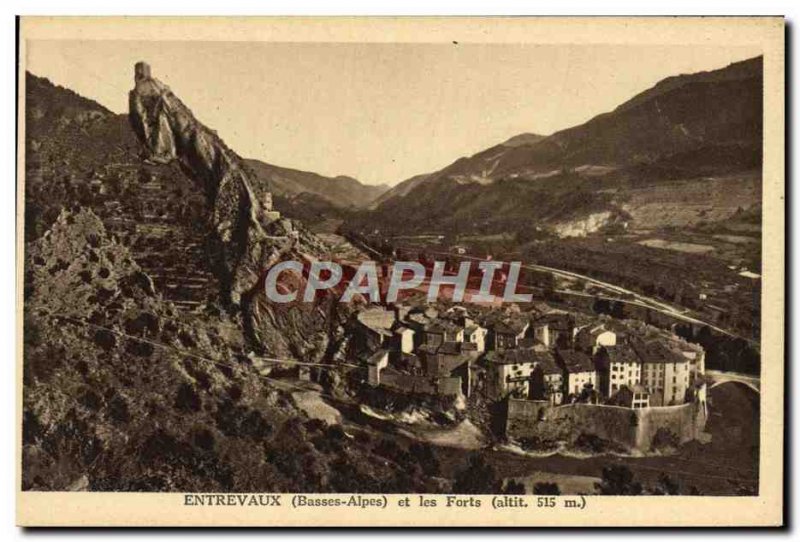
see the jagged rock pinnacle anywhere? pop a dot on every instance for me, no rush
(170, 132)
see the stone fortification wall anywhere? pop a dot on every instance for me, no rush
(634, 429)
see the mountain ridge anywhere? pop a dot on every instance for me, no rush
(691, 125)
(53, 100)
(534, 157)
(342, 190)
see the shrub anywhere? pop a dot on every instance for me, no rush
(664, 440)
(477, 478)
(514, 488)
(618, 480)
(546, 488)
(187, 399)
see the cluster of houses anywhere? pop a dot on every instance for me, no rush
(548, 356)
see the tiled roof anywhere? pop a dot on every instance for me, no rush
(427, 349)
(656, 352)
(592, 331)
(548, 364)
(450, 347)
(557, 321)
(441, 326)
(512, 326)
(576, 362)
(514, 356)
(377, 319)
(621, 353)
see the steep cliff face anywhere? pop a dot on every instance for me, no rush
(244, 227)
(249, 236)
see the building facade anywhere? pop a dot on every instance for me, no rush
(665, 372)
(578, 370)
(620, 366)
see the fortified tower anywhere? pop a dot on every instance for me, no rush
(141, 71)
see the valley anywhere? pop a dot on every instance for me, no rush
(154, 361)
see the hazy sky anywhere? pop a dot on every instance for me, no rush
(377, 112)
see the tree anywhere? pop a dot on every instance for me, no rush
(546, 488)
(426, 458)
(602, 306)
(664, 439)
(514, 488)
(478, 478)
(666, 486)
(618, 480)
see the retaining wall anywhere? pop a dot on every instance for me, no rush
(685, 421)
(421, 384)
(634, 429)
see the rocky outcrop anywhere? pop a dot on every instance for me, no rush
(106, 373)
(243, 226)
(76, 271)
(583, 226)
(123, 393)
(249, 235)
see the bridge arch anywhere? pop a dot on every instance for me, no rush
(746, 383)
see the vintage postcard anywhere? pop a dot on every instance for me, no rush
(400, 271)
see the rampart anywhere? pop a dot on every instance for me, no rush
(634, 429)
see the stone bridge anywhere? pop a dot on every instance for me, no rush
(722, 377)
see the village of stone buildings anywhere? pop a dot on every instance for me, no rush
(557, 373)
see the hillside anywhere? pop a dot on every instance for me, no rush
(140, 333)
(692, 126)
(341, 191)
(401, 189)
(182, 410)
(59, 121)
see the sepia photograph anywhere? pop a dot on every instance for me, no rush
(471, 265)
